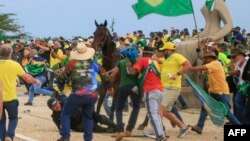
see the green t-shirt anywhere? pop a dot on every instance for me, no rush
(227, 53)
(141, 43)
(126, 79)
(224, 60)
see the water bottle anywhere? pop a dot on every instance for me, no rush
(169, 75)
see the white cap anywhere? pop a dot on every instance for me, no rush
(210, 44)
(50, 43)
(177, 41)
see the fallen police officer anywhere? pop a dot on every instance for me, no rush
(56, 102)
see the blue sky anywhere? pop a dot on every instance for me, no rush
(69, 18)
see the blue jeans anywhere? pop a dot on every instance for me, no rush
(12, 109)
(240, 103)
(234, 104)
(37, 89)
(122, 97)
(224, 99)
(73, 103)
(182, 101)
(176, 113)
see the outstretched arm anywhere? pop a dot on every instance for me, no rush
(199, 68)
(29, 79)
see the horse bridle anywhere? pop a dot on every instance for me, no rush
(102, 44)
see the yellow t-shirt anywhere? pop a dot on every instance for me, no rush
(8, 76)
(166, 38)
(151, 43)
(216, 78)
(55, 61)
(172, 65)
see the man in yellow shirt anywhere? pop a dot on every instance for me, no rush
(217, 88)
(173, 67)
(56, 57)
(166, 36)
(221, 57)
(8, 75)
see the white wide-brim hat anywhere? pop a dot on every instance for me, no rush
(82, 52)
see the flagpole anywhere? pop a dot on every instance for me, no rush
(196, 27)
(112, 25)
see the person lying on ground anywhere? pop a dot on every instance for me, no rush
(56, 103)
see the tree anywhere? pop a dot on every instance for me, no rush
(9, 28)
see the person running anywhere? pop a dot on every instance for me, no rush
(217, 88)
(9, 71)
(152, 89)
(173, 67)
(81, 71)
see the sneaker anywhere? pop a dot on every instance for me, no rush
(7, 139)
(119, 136)
(197, 129)
(162, 138)
(149, 133)
(183, 131)
(28, 104)
(63, 139)
(228, 123)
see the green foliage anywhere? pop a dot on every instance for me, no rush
(9, 26)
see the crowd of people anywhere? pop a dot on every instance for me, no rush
(150, 72)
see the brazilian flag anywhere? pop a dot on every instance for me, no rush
(163, 7)
(215, 109)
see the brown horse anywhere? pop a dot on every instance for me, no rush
(105, 48)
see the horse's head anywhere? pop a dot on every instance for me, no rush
(101, 35)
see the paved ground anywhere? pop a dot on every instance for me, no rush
(37, 124)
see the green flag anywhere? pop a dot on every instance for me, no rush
(210, 4)
(163, 7)
(215, 109)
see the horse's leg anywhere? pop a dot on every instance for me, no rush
(111, 116)
(144, 124)
(102, 95)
